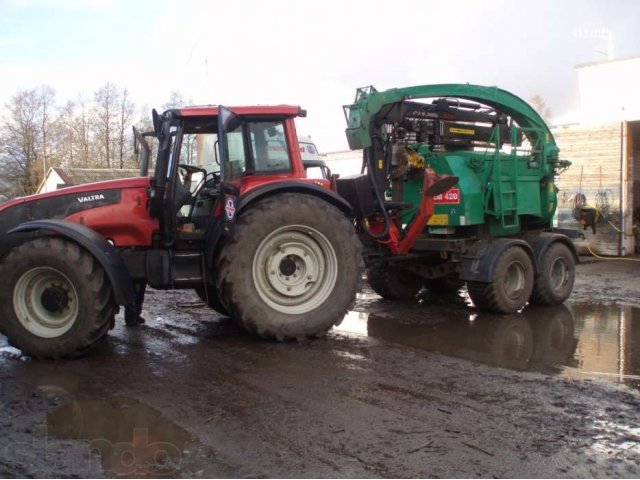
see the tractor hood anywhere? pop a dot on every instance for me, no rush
(83, 192)
(81, 203)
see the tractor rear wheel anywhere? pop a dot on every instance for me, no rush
(57, 302)
(511, 285)
(291, 268)
(393, 283)
(554, 282)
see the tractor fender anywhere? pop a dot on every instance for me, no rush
(97, 245)
(214, 232)
(540, 243)
(299, 187)
(479, 262)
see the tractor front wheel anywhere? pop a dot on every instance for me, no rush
(291, 268)
(57, 302)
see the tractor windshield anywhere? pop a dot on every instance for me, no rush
(199, 150)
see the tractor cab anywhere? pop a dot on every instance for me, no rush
(207, 153)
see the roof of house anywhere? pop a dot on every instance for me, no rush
(78, 176)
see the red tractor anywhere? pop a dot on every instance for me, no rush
(228, 211)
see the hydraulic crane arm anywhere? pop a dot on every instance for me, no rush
(369, 103)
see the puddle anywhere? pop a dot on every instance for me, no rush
(134, 440)
(590, 340)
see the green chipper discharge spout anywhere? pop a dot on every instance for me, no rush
(459, 187)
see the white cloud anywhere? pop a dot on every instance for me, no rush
(63, 4)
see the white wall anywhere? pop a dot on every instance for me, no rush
(344, 163)
(609, 91)
(51, 183)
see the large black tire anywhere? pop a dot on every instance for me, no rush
(511, 284)
(212, 299)
(554, 281)
(393, 283)
(291, 268)
(57, 301)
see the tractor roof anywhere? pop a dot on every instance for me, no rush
(266, 110)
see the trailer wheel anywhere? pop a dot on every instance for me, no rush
(57, 302)
(211, 297)
(392, 283)
(554, 282)
(511, 285)
(291, 267)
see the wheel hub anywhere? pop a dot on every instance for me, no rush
(55, 299)
(559, 274)
(514, 279)
(288, 267)
(45, 302)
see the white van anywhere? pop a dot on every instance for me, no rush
(314, 164)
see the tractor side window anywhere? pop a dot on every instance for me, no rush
(237, 158)
(269, 147)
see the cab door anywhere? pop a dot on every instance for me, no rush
(233, 163)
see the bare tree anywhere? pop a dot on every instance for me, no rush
(176, 100)
(105, 114)
(23, 140)
(81, 124)
(70, 145)
(539, 105)
(45, 97)
(124, 124)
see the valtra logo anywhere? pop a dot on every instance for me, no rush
(91, 198)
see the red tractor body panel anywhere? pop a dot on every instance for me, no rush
(117, 209)
(127, 223)
(79, 189)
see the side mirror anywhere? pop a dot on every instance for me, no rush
(143, 154)
(157, 121)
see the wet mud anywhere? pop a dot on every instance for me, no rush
(428, 388)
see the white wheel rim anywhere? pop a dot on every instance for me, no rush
(559, 274)
(295, 269)
(45, 302)
(514, 279)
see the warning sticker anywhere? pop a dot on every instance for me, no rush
(463, 131)
(451, 196)
(439, 219)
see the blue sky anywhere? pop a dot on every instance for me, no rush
(310, 53)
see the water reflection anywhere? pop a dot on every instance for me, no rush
(577, 340)
(134, 440)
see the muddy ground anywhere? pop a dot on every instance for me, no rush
(189, 394)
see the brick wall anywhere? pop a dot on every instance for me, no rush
(595, 151)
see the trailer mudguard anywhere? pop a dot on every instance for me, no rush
(479, 262)
(543, 241)
(100, 248)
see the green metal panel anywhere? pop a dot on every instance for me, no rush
(497, 188)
